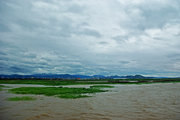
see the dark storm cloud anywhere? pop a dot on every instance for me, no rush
(90, 32)
(90, 37)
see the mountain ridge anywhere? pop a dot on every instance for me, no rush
(76, 76)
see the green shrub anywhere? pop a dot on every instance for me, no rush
(23, 98)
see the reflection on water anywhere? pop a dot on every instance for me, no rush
(124, 102)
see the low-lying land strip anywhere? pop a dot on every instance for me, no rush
(1, 87)
(86, 82)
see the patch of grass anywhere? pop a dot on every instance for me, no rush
(23, 98)
(101, 86)
(62, 92)
(72, 96)
(1, 86)
(53, 82)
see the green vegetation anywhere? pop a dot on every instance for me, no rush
(89, 81)
(53, 82)
(1, 86)
(24, 98)
(50, 91)
(101, 86)
(62, 92)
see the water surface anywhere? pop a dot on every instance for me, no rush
(124, 102)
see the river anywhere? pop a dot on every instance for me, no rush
(123, 102)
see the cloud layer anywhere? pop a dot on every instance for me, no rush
(89, 37)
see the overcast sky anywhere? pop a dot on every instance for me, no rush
(88, 37)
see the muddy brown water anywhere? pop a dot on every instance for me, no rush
(124, 102)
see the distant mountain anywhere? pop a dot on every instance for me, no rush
(68, 76)
(98, 76)
(135, 77)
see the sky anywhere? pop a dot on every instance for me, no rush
(90, 37)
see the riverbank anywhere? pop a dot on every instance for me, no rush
(89, 82)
